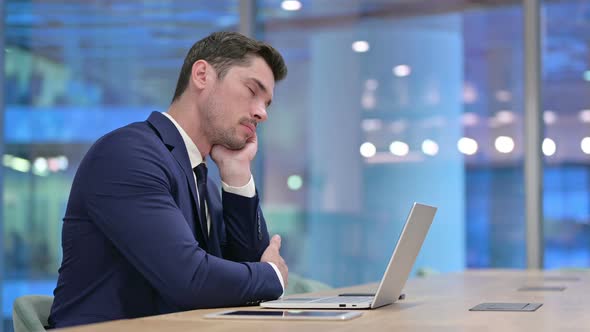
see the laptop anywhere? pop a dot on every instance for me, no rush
(392, 282)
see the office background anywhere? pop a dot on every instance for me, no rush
(386, 103)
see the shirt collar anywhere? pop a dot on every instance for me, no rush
(193, 152)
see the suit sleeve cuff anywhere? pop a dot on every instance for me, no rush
(247, 190)
(279, 276)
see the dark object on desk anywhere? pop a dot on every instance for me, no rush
(401, 296)
(542, 289)
(495, 306)
(557, 278)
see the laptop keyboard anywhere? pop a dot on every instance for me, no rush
(345, 299)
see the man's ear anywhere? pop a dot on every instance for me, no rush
(199, 74)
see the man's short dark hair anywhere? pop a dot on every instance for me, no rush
(226, 49)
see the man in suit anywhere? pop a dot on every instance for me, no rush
(144, 232)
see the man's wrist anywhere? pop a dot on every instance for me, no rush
(279, 276)
(247, 190)
(236, 176)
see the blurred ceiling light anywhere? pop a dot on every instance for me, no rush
(368, 100)
(7, 160)
(294, 182)
(402, 70)
(40, 165)
(549, 117)
(429, 147)
(469, 93)
(469, 119)
(504, 144)
(503, 95)
(585, 145)
(587, 75)
(20, 164)
(368, 150)
(371, 124)
(584, 116)
(371, 84)
(398, 126)
(493, 122)
(63, 163)
(505, 117)
(360, 46)
(399, 148)
(53, 164)
(291, 5)
(549, 147)
(467, 145)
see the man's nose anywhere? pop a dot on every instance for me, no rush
(260, 113)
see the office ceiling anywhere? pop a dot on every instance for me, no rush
(104, 33)
(100, 40)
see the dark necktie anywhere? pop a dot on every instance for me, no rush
(201, 173)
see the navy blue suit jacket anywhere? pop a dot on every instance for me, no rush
(132, 242)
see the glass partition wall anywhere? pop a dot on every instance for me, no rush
(566, 148)
(383, 110)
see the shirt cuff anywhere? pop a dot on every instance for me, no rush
(247, 190)
(280, 277)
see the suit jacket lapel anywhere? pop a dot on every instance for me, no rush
(171, 137)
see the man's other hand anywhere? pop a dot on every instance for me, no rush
(272, 255)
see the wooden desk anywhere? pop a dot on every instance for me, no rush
(437, 303)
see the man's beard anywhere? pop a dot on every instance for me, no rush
(214, 130)
(229, 139)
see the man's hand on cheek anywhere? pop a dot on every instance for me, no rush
(234, 165)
